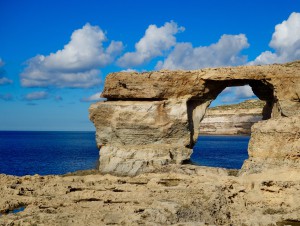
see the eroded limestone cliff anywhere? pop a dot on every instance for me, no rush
(232, 119)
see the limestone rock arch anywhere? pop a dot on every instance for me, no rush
(150, 120)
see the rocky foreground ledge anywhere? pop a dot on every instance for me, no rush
(185, 195)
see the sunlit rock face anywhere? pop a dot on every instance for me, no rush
(152, 119)
(140, 136)
(234, 119)
(274, 143)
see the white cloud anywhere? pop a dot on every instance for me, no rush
(155, 41)
(244, 91)
(3, 80)
(129, 70)
(76, 65)
(93, 98)
(40, 95)
(41, 78)
(285, 42)
(236, 94)
(225, 52)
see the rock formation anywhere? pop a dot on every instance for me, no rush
(232, 119)
(152, 119)
(149, 124)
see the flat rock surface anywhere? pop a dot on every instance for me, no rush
(185, 195)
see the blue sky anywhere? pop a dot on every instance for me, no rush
(55, 55)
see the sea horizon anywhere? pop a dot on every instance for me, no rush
(60, 152)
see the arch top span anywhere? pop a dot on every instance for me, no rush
(150, 120)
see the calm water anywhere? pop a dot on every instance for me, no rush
(28, 153)
(221, 151)
(23, 153)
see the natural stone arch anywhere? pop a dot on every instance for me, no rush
(149, 119)
(196, 107)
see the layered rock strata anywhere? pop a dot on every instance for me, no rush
(274, 143)
(140, 136)
(152, 119)
(232, 119)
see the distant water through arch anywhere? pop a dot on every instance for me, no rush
(220, 151)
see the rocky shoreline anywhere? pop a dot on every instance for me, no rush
(183, 195)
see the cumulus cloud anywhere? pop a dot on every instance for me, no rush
(93, 98)
(40, 95)
(3, 80)
(285, 42)
(223, 53)
(6, 97)
(155, 41)
(236, 94)
(244, 92)
(76, 65)
(129, 70)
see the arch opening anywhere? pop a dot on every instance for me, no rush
(222, 146)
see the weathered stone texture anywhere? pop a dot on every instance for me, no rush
(153, 118)
(152, 85)
(284, 80)
(185, 195)
(137, 137)
(228, 124)
(274, 143)
(130, 160)
(232, 119)
(141, 123)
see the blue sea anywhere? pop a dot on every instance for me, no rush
(221, 151)
(29, 153)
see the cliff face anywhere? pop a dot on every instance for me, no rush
(232, 119)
